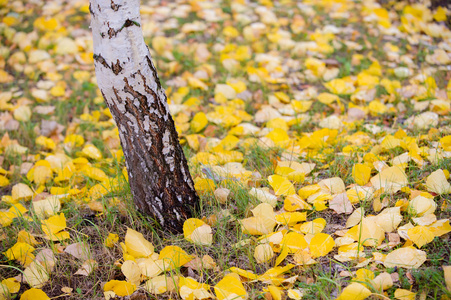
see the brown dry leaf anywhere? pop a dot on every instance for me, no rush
(341, 204)
(87, 268)
(79, 250)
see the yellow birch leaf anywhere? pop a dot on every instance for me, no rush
(197, 231)
(402, 294)
(94, 173)
(190, 289)
(440, 227)
(314, 226)
(263, 196)
(22, 113)
(294, 202)
(3, 181)
(361, 174)
(45, 142)
(244, 273)
(364, 275)
(275, 272)
(308, 190)
(6, 218)
(420, 235)
(392, 179)
(437, 183)
(137, 245)
(12, 285)
(21, 191)
(26, 237)
(161, 284)
(295, 294)
(275, 292)
(203, 185)
(321, 244)
(74, 140)
(290, 218)
(120, 288)
(283, 254)
(333, 186)
(199, 122)
(21, 252)
(60, 236)
(54, 224)
(18, 210)
(174, 257)
(327, 98)
(150, 267)
(340, 86)
(279, 136)
(354, 291)
(190, 225)
(389, 219)
(303, 257)
(36, 275)
(263, 221)
(263, 253)
(47, 207)
(230, 287)
(281, 185)
(421, 206)
(92, 152)
(294, 241)
(34, 294)
(382, 282)
(197, 83)
(407, 257)
(193, 141)
(367, 232)
(132, 271)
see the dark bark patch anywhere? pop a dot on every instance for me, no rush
(129, 23)
(111, 32)
(91, 11)
(99, 58)
(115, 6)
(116, 67)
(154, 72)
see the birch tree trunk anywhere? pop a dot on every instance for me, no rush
(158, 172)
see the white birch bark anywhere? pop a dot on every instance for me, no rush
(158, 173)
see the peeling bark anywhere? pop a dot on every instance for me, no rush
(158, 172)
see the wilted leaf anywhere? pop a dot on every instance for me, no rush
(79, 250)
(197, 231)
(161, 284)
(437, 183)
(263, 221)
(263, 253)
(36, 275)
(137, 245)
(407, 257)
(87, 268)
